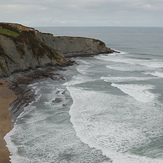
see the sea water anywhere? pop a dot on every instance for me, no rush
(108, 109)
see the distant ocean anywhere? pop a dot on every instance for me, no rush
(108, 109)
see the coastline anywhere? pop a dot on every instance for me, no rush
(32, 56)
(18, 95)
(7, 96)
(14, 93)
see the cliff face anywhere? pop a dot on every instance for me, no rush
(22, 48)
(74, 46)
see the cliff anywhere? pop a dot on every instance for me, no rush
(74, 46)
(22, 48)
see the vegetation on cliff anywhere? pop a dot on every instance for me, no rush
(23, 47)
(8, 32)
(23, 38)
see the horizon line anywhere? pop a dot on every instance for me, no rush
(99, 26)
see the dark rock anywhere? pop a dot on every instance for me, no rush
(57, 100)
(57, 92)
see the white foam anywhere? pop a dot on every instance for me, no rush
(152, 63)
(156, 73)
(83, 68)
(78, 80)
(36, 91)
(15, 158)
(8, 137)
(108, 123)
(118, 68)
(139, 92)
(10, 145)
(38, 139)
(113, 54)
(113, 124)
(83, 62)
(126, 67)
(121, 52)
(31, 85)
(123, 79)
(118, 59)
(122, 59)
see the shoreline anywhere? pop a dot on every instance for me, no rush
(14, 93)
(18, 95)
(7, 96)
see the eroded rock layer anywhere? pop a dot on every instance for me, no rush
(22, 48)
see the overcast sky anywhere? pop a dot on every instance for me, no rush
(37, 13)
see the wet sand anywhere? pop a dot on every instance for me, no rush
(6, 98)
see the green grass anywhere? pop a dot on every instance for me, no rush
(8, 32)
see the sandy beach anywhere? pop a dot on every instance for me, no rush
(6, 98)
(26, 96)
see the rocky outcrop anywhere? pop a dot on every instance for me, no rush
(74, 46)
(25, 51)
(22, 48)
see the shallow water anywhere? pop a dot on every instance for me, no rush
(109, 108)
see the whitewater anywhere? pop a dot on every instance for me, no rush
(108, 109)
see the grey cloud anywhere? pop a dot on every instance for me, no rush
(85, 12)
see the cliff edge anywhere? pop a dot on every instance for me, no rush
(23, 47)
(74, 46)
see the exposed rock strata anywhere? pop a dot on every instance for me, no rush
(19, 85)
(31, 48)
(25, 51)
(74, 46)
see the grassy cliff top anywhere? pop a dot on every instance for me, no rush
(26, 41)
(8, 32)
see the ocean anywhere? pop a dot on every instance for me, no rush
(108, 108)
